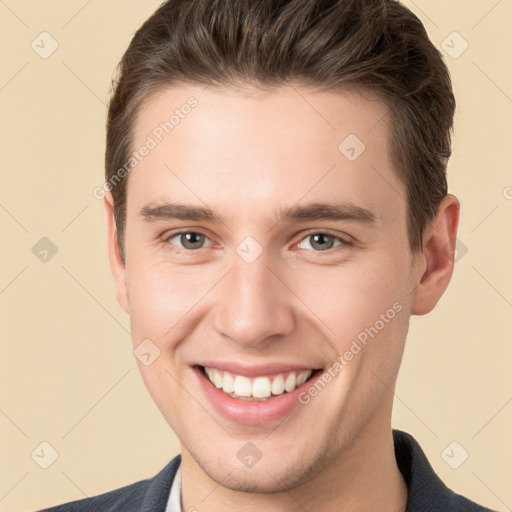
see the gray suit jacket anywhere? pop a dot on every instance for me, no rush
(426, 492)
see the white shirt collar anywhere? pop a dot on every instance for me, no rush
(174, 501)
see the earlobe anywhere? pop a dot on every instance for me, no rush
(117, 265)
(438, 256)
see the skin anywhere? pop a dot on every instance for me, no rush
(246, 154)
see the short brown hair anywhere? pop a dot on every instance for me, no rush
(376, 45)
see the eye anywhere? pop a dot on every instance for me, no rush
(321, 241)
(189, 240)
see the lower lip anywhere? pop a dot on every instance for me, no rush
(252, 412)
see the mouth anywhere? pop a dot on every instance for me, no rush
(259, 387)
(256, 395)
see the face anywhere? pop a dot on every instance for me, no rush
(266, 245)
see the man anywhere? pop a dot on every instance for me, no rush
(277, 208)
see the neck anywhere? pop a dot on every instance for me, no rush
(363, 477)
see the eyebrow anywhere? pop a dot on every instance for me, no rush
(152, 212)
(328, 211)
(167, 211)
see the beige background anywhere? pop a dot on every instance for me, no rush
(68, 376)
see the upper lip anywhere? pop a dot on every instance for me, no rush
(256, 370)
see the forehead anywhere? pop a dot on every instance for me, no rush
(232, 148)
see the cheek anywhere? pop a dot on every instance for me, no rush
(342, 301)
(161, 297)
(352, 299)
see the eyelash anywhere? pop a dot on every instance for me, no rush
(189, 252)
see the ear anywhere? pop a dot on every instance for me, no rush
(116, 263)
(435, 266)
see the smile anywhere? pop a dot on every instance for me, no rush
(254, 395)
(258, 388)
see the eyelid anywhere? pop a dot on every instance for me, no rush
(345, 239)
(168, 235)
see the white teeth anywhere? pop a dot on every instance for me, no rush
(261, 387)
(258, 388)
(289, 383)
(217, 379)
(228, 384)
(278, 385)
(242, 386)
(303, 377)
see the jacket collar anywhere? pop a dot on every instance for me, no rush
(426, 491)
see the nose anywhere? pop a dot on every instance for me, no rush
(253, 305)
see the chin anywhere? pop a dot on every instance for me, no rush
(271, 474)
